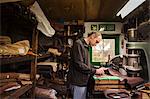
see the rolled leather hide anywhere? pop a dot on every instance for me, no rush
(18, 48)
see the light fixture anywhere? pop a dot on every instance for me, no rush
(129, 7)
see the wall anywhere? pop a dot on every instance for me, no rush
(118, 26)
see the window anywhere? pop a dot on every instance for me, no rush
(108, 48)
(104, 51)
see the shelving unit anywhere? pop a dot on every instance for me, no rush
(16, 11)
(14, 59)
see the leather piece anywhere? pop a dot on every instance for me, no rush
(18, 48)
(131, 81)
(114, 72)
(117, 94)
(8, 85)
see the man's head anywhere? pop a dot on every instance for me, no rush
(94, 38)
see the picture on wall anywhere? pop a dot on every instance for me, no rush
(94, 27)
(110, 27)
(107, 27)
(102, 26)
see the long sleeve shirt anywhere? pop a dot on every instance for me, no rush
(80, 68)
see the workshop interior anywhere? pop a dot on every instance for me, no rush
(37, 36)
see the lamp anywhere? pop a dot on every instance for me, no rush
(129, 7)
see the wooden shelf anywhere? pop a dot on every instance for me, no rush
(24, 28)
(44, 56)
(14, 59)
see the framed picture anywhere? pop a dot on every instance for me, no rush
(94, 27)
(102, 26)
(110, 27)
(107, 27)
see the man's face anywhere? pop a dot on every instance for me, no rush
(94, 40)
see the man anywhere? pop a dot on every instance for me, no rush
(80, 68)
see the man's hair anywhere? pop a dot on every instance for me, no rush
(96, 34)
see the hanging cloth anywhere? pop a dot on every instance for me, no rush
(43, 24)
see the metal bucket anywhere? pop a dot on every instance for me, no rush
(132, 35)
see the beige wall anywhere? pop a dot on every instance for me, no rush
(118, 27)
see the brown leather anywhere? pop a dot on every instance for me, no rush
(117, 94)
(114, 72)
(45, 93)
(8, 85)
(131, 81)
(18, 48)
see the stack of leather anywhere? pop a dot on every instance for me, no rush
(132, 82)
(10, 81)
(108, 82)
(115, 80)
(18, 48)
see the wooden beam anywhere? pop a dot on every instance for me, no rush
(85, 10)
(34, 62)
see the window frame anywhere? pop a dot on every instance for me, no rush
(117, 46)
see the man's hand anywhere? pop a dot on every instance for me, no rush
(101, 70)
